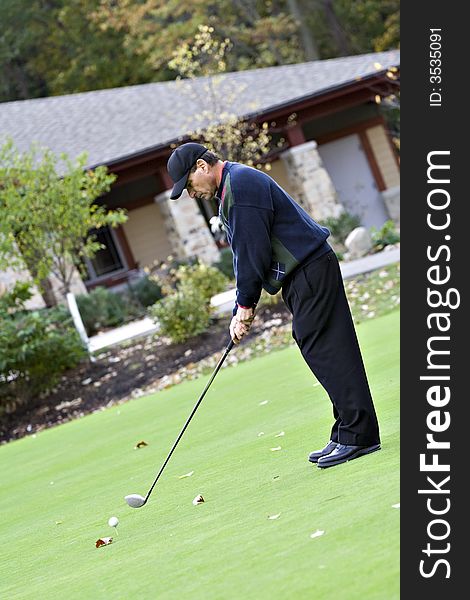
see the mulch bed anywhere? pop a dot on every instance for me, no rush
(123, 372)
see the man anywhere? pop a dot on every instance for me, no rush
(277, 245)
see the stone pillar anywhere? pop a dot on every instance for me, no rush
(391, 198)
(187, 230)
(311, 184)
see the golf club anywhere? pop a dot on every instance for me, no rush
(136, 500)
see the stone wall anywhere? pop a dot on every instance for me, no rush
(186, 228)
(391, 198)
(311, 184)
(77, 287)
(8, 278)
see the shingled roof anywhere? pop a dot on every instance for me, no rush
(120, 122)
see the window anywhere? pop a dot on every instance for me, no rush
(108, 260)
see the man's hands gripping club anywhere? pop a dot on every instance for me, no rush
(241, 323)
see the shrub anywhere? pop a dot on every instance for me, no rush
(385, 236)
(340, 227)
(225, 263)
(101, 308)
(36, 347)
(269, 299)
(147, 291)
(207, 279)
(183, 314)
(186, 311)
(164, 272)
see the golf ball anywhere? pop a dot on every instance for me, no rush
(113, 522)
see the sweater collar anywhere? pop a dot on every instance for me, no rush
(220, 191)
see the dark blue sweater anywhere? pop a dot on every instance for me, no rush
(269, 233)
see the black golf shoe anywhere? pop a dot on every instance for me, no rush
(314, 456)
(343, 453)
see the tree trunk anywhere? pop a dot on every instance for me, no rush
(47, 293)
(337, 31)
(308, 41)
(44, 286)
(19, 87)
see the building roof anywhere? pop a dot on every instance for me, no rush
(121, 122)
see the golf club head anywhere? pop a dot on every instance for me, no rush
(135, 500)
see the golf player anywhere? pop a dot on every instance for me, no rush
(277, 245)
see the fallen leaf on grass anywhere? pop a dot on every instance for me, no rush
(276, 448)
(103, 541)
(186, 475)
(272, 517)
(260, 433)
(140, 444)
(280, 434)
(317, 533)
(58, 522)
(263, 402)
(198, 500)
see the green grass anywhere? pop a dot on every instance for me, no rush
(60, 487)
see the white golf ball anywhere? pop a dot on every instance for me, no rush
(113, 522)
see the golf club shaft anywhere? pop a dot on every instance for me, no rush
(216, 370)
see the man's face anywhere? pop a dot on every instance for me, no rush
(202, 183)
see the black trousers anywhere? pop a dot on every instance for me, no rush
(323, 329)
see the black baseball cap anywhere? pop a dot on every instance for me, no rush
(180, 164)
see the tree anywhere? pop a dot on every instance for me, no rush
(342, 27)
(263, 33)
(19, 41)
(390, 38)
(50, 47)
(45, 218)
(78, 55)
(309, 44)
(370, 25)
(219, 127)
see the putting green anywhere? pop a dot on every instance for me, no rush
(60, 487)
